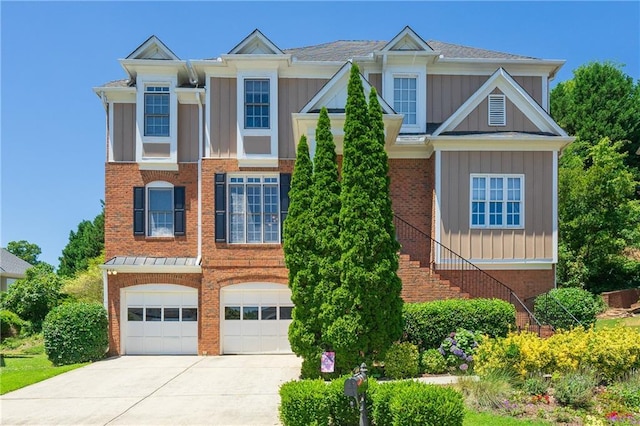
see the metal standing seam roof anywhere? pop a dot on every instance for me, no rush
(11, 264)
(150, 261)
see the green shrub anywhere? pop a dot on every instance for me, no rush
(535, 385)
(76, 332)
(432, 362)
(10, 324)
(402, 361)
(415, 403)
(341, 411)
(490, 391)
(459, 348)
(627, 391)
(583, 305)
(575, 389)
(428, 324)
(304, 402)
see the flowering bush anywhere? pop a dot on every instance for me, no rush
(459, 348)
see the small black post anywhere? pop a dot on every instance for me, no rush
(364, 419)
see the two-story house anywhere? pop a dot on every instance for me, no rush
(200, 155)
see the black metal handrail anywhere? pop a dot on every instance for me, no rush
(456, 269)
(557, 303)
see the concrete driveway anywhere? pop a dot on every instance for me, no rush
(176, 390)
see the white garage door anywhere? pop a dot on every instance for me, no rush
(161, 319)
(255, 318)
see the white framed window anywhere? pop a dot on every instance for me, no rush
(497, 201)
(160, 209)
(254, 209)
(257, 104)
(405, 98)
(157, 111)
(497, 110)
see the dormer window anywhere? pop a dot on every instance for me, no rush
(156, 111)
(256, 104)
(405, 99)
(497, 110)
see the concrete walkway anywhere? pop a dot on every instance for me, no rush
(158, 390)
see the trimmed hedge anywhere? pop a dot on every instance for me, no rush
(583, 305)
(76, 332)
(427, 324)
(314, 402)
(10, 324)
(402, 361)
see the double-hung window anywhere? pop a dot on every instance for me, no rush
(254, 211)
(405, 99)
(156, 111)
(256, 104)
(160, 212)
(497, 201)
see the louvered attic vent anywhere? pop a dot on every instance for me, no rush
(497, 110)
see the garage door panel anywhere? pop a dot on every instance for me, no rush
(190, 330)
(172, 329)
(250, 328)
(233, 344)
(270, 329)
(154, 299)
(134, 298)
(153, 329)
(135, 329)
(172, 345)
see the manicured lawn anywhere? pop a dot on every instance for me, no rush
(23, 370)
(628, 322)
(473, 418)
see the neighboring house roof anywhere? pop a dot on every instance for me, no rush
(343, 50)
(11, 265)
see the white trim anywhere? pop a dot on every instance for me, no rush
(207, 111)
(500, 142)
(554, 209)
(110, 130)
(515, 93)
(256, 36)
(154, 269)
(411, 34)
(157, 184)
(502, 264)
(147, 44)
(200, 140)
(419, 72)
(545, 93)
(504, 201)
(105, 290)
(438, 185)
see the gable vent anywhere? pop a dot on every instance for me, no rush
(497, 110)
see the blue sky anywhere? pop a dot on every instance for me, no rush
(53, 126)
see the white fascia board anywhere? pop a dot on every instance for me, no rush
(148, 66)
(121, 95)
(499, 143)
(151, 165)
(407, 32)
(503, 264)
(554, 209)
(186, 95)
(110, 130)
(151, 269)
(438, 194)
(450, 67)
(285, 57)
(258, 162)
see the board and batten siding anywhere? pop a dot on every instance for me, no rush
(293, 95)
(532, 242)
(188, 133)
(446, 93)
(375, 79)
(223, 117)
(124, 132)
(478, 119)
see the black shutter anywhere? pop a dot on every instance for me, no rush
(138, 210)
(285, 185)
(178, 210)
(221, 208)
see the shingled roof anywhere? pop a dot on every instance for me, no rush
(343, 50)
(12, 265)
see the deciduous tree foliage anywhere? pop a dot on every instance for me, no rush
(600, 101)
(598, 218)
(25, 250)
(84, 244)
(86, 286)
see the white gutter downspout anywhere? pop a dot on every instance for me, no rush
(105, 289)
(199, 257)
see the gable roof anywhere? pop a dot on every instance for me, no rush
(515, 93)
(337, 86)
(343, 50)
(256, 43)
(153, 48)
(12, 265)
(407, 40)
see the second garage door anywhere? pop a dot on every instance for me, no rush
(255, 318)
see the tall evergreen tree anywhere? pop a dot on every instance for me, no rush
(298, 248)
(362, 328)
(83, 245)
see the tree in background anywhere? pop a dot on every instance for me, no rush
(86, 286)
(598, 218)
(298, 246)
(600, 101)
(29, 252)
(35, 295)
(363, 328)
(84, 244)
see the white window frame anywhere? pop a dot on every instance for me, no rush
(147, 191)
(246, 177)
(415, 78)
(504, 201)
(257, 160)
(494, 115)
(166, 91)
(256, 103)
(419, 72)
(142, 82)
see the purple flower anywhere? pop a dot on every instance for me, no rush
(464, 367)
(469, 358)
(458, 352)
(441, 351)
